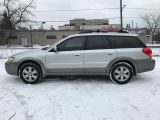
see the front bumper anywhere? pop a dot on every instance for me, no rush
(145, 65)
(11, 68)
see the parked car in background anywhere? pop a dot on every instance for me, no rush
(118, 55)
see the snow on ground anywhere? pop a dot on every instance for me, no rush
(153, 45)
(80, 98)
(156, 51)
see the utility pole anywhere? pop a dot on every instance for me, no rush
(43, 31)
(42, 25)
(132, 24)
(121, 15)
(31, 36)
(136, 28)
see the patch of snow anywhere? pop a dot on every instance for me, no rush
(153, 45)
(156, 51)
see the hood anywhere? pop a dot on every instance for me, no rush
(30, 54)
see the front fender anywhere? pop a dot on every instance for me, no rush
(35, 60)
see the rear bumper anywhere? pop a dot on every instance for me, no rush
(145, 65)
(11, 68)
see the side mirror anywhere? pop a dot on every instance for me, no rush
(53, 49)
(45, 48)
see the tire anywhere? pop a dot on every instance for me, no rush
(121, 73)
(30, 73)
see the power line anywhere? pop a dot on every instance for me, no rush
(52, 21)
(153, 9)
(131, 17)
(64, 20)
(72, 10)
(77, 10)
(99, 9)
(48, 21)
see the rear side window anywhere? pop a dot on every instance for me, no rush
(97, 42)
(126, 42)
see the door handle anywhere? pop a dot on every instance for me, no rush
(77, 55)
(110, 53)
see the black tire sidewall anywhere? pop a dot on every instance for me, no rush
(34, 66)
(112, 77)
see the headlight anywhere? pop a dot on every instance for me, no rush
(11, 59)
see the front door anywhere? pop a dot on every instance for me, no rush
(68, 58)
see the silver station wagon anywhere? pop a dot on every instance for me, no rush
(118, 55)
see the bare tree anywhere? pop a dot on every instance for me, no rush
(152, 20)
(15, 13)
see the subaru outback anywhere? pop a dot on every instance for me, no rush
(117, 55)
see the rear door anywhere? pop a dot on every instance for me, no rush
(98, 53)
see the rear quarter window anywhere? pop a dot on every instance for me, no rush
(126, 42)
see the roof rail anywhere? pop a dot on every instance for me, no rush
(121, 31)
(99, 31)
(89, 31)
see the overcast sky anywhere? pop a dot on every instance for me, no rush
(129, 15)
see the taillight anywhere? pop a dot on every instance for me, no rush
(147, 51)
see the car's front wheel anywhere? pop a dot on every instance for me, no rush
(30, 73)
(121, 73)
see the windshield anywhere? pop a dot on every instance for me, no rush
(51, 46)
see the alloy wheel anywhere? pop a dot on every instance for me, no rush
(30, 74)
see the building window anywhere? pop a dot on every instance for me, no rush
(72, 24)
(13, 37)
(51, 37)
(64, 36)
(105, 23)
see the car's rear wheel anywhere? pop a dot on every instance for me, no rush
(30, 73)
(121, 73)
